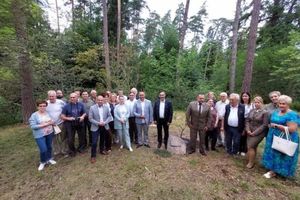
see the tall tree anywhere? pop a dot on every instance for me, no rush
(19, 16)
(196, 25)
(232, 69)
(106, 45)
(185, 24)
(57, 16)
(134, 11)
(251, 46)
(119, 32)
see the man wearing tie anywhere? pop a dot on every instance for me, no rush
(143, 117)
(197, 119)
(99, 116)
(162, 115)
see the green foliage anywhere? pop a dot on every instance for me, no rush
(10, 112)
(150, 60)
(288, 68)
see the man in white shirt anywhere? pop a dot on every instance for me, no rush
(143, 113)
(99, 116)
(54, 109)
(162, 115)
(234, 123)
(220, 107)
(132, 126)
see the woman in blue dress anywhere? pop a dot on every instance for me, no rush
(275, 161)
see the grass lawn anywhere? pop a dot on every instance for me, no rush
(141, 174)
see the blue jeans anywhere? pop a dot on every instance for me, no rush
(45, 145)
(232, 138)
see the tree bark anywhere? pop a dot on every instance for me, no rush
(57, 15)
(184, 25)
(251, 46)
(119, 32)
(73, 16)
(106, 45)
(234, 46)
(19, 18)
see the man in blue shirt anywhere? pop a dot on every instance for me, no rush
(73, 115)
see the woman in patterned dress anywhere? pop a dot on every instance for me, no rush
(275, 161)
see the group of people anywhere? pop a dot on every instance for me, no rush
(238, 124)
(97, 119)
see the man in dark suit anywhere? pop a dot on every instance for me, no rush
(162, 115)
(198, 119)
(234, 123)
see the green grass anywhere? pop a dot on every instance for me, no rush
(141, 174)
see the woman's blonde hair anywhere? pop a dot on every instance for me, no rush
(258, 98)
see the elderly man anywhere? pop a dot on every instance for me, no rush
(99, 116)
(93, 94)
(234, 123)
(87, 102)
(132, 126)
(162, 115)
(54, 109)
(220, 107)
(73, 115)
(198, 120)
(274, 104)
(143, 113)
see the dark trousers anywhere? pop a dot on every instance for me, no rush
(87, 129)
(102, 133)
(71, 130)
(213, 135)
(108, 140)
(193, 140)
(133, 130)
(243, 144)
(162, 123)
(232, 138)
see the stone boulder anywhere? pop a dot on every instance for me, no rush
(177, 145)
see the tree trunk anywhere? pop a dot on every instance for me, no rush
(119, 32)
(73, 17)
(57, 15)
(234, 46)
(106, 45)
(184, 25)
(251, 46)
(19, 18)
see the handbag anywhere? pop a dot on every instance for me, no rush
(283, 145)
(56, 129)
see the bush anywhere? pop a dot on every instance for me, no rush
(10, 112)
(296, 106)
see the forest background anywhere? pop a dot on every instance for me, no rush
(110, 46)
